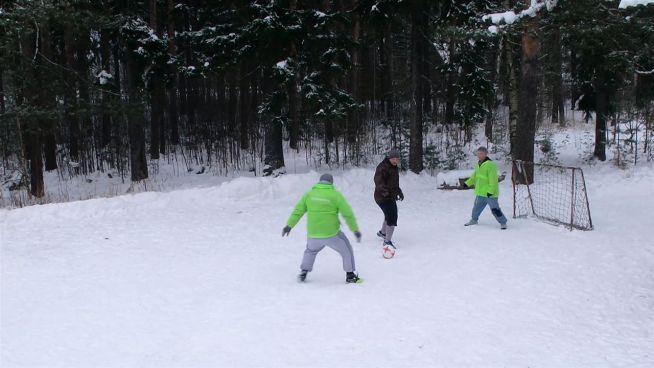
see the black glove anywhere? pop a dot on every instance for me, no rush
(286, 230)
(400, 196)
(489, 195)
(357, 234)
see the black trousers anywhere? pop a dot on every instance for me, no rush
(390, 211)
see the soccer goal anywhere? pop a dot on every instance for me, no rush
(552, 193)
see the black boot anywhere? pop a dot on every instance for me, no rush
(351, 278)
(302, 276)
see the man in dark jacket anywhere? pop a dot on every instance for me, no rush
(387, 192)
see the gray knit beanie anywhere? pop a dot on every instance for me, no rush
(393, 154)
(326, 179)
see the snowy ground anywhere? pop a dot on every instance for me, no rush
(202, 278)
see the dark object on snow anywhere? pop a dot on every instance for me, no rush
(110, 176)
(89, 180)
(351, 278)
(462, 183)
(201, 171)
(269, 171)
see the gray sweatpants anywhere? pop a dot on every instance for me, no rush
(338, 243)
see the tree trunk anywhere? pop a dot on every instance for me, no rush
(558, 108)
(425, 75)
(254, 103)
(244, 102)
(105, 51)
(273, 147)
(4, 141)
(293, 95)
(512, 92)
(386, 56)
(47, 101)
(417, 64)
(157, 94)
(355, 74)
(601, 114)
(232, 101)
(157, 101)
(526, 128)
(451, 91)
(274, 159)
(32, 128)
(574, 92)
(85, 114)
(135, 121)
(294, 115)
(70, 95)
(173, 118)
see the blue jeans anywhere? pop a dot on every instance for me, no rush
(480, 204)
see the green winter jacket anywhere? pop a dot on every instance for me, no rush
(323, 203)
(484, 179)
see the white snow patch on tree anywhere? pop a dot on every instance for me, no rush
(499, 18)
(510, 17)
(629, 3)
(282, 65)
(104, 77)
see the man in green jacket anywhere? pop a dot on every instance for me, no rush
(487, 190)
(322, 204)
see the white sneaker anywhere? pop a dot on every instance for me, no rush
(471, 222)
(503, 227)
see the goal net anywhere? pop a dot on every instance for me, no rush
(556, 194)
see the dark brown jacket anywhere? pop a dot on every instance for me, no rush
(387, 182)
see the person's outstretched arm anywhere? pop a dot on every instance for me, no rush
(299, 211)
(346, 211)
(471, 180)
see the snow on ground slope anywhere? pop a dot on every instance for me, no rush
(202, 278)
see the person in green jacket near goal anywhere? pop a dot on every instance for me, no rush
(487, 190)
(322, 204)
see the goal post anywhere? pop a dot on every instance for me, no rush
(552, 193)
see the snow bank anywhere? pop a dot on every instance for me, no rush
(202, 277)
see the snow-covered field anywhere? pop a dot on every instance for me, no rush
(202, 278)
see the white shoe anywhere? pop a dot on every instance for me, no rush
(471, 222)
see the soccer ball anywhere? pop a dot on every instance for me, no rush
(388, 252)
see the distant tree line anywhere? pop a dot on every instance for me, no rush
(104, 85)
